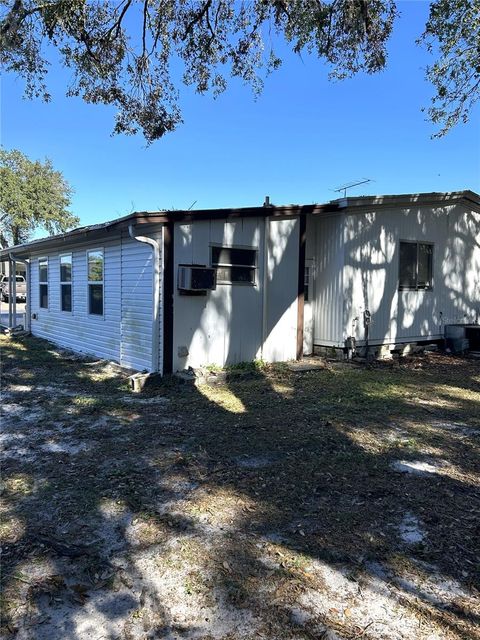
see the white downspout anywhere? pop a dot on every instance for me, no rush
(156, 292)
(27, 292)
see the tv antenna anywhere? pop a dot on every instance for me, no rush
(350, 185)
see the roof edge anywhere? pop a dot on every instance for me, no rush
(433, 197)
(358, 203)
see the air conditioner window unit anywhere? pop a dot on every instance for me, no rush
(193, 278)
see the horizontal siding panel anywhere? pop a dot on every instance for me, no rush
(137, 300)
(124, 332)
(80, 331)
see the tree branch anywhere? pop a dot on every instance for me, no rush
(197, 18)
(118, 23)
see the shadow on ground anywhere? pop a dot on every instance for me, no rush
(277, 505)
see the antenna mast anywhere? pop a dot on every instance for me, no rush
(349, 185)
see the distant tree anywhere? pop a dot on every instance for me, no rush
(125, 52)
(32, 194)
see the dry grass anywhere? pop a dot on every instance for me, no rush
(271, 506)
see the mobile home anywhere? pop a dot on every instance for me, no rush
(164, 291)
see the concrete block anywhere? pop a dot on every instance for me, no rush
(384, 352)
(141, 381)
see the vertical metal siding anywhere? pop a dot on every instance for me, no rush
(328, 280)
(372, 266)
(282, 290)
(226, 325)
(221, 327)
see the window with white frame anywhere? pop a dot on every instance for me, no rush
(234, 265)
(66, 282)
(43, 283)
(415, 266)
(95, 281)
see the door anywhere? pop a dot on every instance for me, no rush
(308, 307)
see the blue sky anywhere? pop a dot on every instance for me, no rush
(301, 138)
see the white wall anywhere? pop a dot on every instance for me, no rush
(124, 332)
(358, 258)
(372, 266)
(282, 290)
(227, 325)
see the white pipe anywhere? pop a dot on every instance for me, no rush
(156, 292)
(10, 293)
(14, 290)
(266, 230)
(27, 292)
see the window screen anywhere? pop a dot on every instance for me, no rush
(95, 266)
(416, 265)
(43, 283)
(66, 283)
(95, 299)
(234, 265)
(95, 282)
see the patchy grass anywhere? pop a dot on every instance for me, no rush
(279, 504)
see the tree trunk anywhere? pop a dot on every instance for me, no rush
(16, 235)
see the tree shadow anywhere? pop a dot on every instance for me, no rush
(227, 510)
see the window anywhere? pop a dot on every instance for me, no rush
(43, 282)
(66, 283)
(95, 282)
(416, 265)
(234, 265)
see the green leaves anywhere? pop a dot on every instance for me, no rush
(32, 194)
(452, 33)
(135, 54)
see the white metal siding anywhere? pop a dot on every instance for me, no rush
(136, 296)
(124, 332)
(282, 290)
(372, 267)
(357, 268)
(326, 233)
(226, 326)
(77, 330)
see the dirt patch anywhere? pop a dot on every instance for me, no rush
(416, 467)
(333, 503)
(410, 529)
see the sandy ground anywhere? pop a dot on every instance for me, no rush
(333, 504)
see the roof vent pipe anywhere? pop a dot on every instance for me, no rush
(267, 202)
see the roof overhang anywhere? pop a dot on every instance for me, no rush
(407, 201)
(342, 205)
(96, 231)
